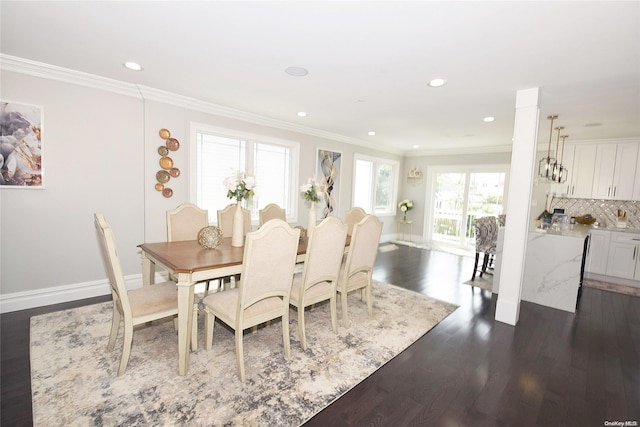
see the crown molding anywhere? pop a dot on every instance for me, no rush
(52, 72)
(459, 150)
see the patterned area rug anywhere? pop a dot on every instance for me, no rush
(485, 282)
(74, 379)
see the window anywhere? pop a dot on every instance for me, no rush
(460, 195)
(218, 153)
(375, 185)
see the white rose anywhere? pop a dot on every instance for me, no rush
(305, 187)
(250, 182)
(403, 208)
(231, 183)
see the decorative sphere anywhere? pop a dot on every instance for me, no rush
(210, 237)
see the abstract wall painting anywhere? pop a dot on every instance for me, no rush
(20, 146)
(328, 168)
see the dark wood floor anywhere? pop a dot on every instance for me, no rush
(554, 368)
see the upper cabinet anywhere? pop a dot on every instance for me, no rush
(580, 160)
(615, 171)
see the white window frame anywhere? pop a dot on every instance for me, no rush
(467, 169)
(392, 209)
(250, 139)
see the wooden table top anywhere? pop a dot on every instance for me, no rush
(188, 256)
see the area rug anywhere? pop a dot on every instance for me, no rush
(485, 282)
(74, 381)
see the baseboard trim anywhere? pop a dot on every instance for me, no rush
(48, 296)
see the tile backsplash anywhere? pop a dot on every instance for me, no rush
(606, 211)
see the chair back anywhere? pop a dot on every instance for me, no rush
(324, 253)
(268, 263)
(272, 211)
(486, 233)
(363, 248)
(185, 221)
(352, 217)
(111, 261)
(225, 220)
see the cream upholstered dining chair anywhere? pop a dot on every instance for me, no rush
(357, 269)
(486, 242)
(133, 307)
(185, 221)
(319, 277)
(271, 211)
(225, 220)
(264, 290)
(352, 217)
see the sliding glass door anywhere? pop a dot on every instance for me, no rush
(459, 197)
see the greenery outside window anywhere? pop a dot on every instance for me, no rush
(375, 184)
(218, 153)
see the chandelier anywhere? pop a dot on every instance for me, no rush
(545, 168)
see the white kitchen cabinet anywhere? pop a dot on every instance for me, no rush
(623, 255)
(614, 171)
(598, 251)
(583, 164)
(636, 185)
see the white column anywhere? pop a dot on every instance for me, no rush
(523, 159)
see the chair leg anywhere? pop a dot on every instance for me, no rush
(369, 299)
(475, 267)
(334, 313)
(286, 339)
(345, 314)
(239, 354)
(301, 328)
(209, 323)
(485, 262)
(115, 326)
(126, 348)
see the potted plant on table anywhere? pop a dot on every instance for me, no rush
(405, 205)
(239, 187)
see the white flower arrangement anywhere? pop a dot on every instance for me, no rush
(240, 186)
(405, 205)
(312, 190)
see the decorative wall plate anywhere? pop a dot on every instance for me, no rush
(163, 150)
(163, 176)
(167, 192)
(159, 186)
(174, 172)
(164, 133)
(173, 144)
(166, 162)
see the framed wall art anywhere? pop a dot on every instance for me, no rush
(328, 168)
(21, 158)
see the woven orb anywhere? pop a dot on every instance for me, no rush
(210, 237)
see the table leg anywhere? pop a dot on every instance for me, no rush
(148, 270)
(185, 321)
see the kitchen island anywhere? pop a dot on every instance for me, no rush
(553, 264)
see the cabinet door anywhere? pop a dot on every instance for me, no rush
(622, 260)
(624, 174)
(603, 171)
(584, 162)
(567, 161)
(598, 252)
(636, 185)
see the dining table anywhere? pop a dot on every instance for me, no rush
(192, 263)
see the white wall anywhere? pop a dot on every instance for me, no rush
(100, 154)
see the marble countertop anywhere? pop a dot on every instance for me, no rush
(577, 230)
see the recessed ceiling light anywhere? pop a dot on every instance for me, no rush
(416, 146)
(134, 66)
(437, 82)
(296, 71)
(302, 114)
(371, 133)
(489, 119)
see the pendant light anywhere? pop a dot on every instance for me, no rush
(563, 172)
(546, 163)
(556, 165)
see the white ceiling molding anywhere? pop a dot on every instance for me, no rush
(52, 72)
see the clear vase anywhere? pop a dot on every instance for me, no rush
(404, 217)
(312, 217)
(237, 236)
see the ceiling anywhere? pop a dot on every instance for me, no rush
(368, 62)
